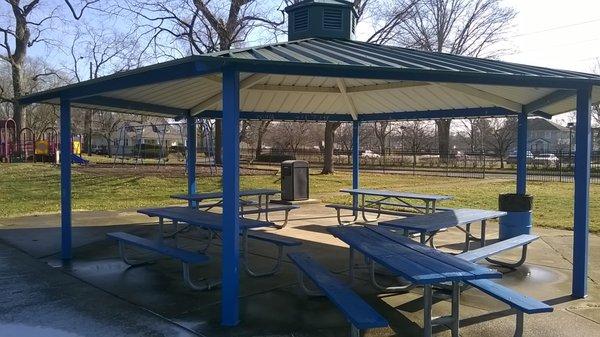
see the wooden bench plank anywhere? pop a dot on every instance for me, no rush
(276, 239)
(498, 247)
(515, 299)
(460, 264)
(358, 312)
(178, 253)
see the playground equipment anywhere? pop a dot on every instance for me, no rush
(135, 144)
(207, 144)
(27, 144)
(46, 146)
(8, 140)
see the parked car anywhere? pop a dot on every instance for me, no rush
(547, 159)
(512, 158)
(370, 154)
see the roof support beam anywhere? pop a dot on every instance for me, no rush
(342, 86)
(333, 90)
(484, 95)
(554, 97)
(407, 115)
(439, 114)
(170, 71)
(118, 103)
(216, 99)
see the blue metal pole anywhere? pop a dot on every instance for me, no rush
(65, 178)
(231, 172)
(355, 160)
(522, 154)
(191, 157)
(583, 146)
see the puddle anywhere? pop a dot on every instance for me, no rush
(535, 275)
(22, 330)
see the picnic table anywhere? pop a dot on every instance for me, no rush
(200, 197)
(431, 224)
(261, 207)
(415, 262)
(396, 199)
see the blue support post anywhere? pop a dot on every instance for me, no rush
(583, 146)
(522, 154)
(191, 157)
(65, 178)
(231, 229)
(355, 160)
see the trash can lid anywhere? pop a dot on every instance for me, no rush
(295, 163)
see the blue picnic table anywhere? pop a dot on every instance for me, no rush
(431, 224)
(200, 197)
(415, 262)
(395, 199)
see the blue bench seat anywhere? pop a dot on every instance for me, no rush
(186, 257)
(522, 303)
(277, 240)
(487, 251)
(360, 314)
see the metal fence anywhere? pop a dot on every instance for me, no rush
(558, 167)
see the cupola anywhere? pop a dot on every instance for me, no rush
(321, 19)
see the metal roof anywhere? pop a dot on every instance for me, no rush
(331, 76)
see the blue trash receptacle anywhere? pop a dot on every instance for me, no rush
(518, 219)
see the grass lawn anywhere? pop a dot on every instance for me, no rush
(27, 189)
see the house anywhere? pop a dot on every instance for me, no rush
(127, 140)
(545, 136)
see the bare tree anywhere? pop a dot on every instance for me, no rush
(502, 136)
(464, 27)
(416, 135)
(328, 148)
(261, 129)
(23, 27)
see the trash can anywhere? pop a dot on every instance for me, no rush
(294, 180)
(518, 219)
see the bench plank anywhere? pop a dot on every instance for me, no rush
(278, 208)
(396, 194)
(358, 312)
(200, 218)
(369, 210)
(276, 239)
(417, 267)
(498, 247)
(436, 221)
(447, 259)
(515, 299)
(178, 253)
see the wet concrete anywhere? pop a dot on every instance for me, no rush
(47, 298)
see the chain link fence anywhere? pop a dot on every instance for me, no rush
(558, 167)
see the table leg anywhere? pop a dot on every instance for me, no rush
(351, 266)
(266, 208)
(455, 308)
(423, 238)
(176, 226)
(433, 206)
(427, 304)
(426, 207)
(160, 229)
(467, 237)
(483, 225)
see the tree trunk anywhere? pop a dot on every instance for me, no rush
(87, 126)
(330, 128)
(443, 126)
(17, 91)
(218, 142)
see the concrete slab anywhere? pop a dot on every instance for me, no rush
(274, 306)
